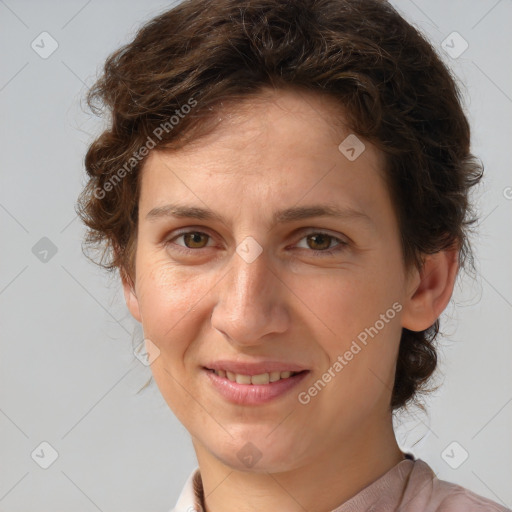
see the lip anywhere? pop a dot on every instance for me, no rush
(253, 394)
(254, 368)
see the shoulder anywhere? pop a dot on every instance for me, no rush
(444, 496)
(456, 498)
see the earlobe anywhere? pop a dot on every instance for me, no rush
(432, 290)
(131, 298)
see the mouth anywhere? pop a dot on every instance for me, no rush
(260, 379)
(252, 390)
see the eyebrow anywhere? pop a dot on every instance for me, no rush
(292, 214)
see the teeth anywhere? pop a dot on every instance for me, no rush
(243, 379)
(263, 378)
(274, 376)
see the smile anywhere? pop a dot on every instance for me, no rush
(262, 378)
(253, 390)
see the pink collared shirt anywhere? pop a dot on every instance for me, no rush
(410, 486)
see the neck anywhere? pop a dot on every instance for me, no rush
(331, 478)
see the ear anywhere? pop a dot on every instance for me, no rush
(130, 297)
(430, 289)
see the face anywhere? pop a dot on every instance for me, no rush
(268, 278)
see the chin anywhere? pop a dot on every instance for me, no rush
(259, 456)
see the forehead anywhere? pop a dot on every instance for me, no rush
(275, 116)
(280, 147)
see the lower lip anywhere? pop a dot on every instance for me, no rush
(253, 394)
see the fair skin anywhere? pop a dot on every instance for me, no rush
(289, 304)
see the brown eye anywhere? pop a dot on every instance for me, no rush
(322, 244)
(319, 241)
(192, 239)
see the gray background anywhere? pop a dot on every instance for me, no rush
(67, 372)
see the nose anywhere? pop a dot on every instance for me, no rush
(251, 302)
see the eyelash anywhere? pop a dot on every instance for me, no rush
(328, 252)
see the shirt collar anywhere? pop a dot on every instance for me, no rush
(191, 495)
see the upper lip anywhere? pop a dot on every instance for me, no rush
(247, 368)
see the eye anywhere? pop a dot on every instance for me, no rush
(320, 243)
(193, 240)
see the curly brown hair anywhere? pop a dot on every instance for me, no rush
(205, 54)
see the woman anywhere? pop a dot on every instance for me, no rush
(283, 188)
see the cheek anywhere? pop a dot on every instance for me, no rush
(343, 303)
(359, 376)
(358, 319)
(169, 298)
